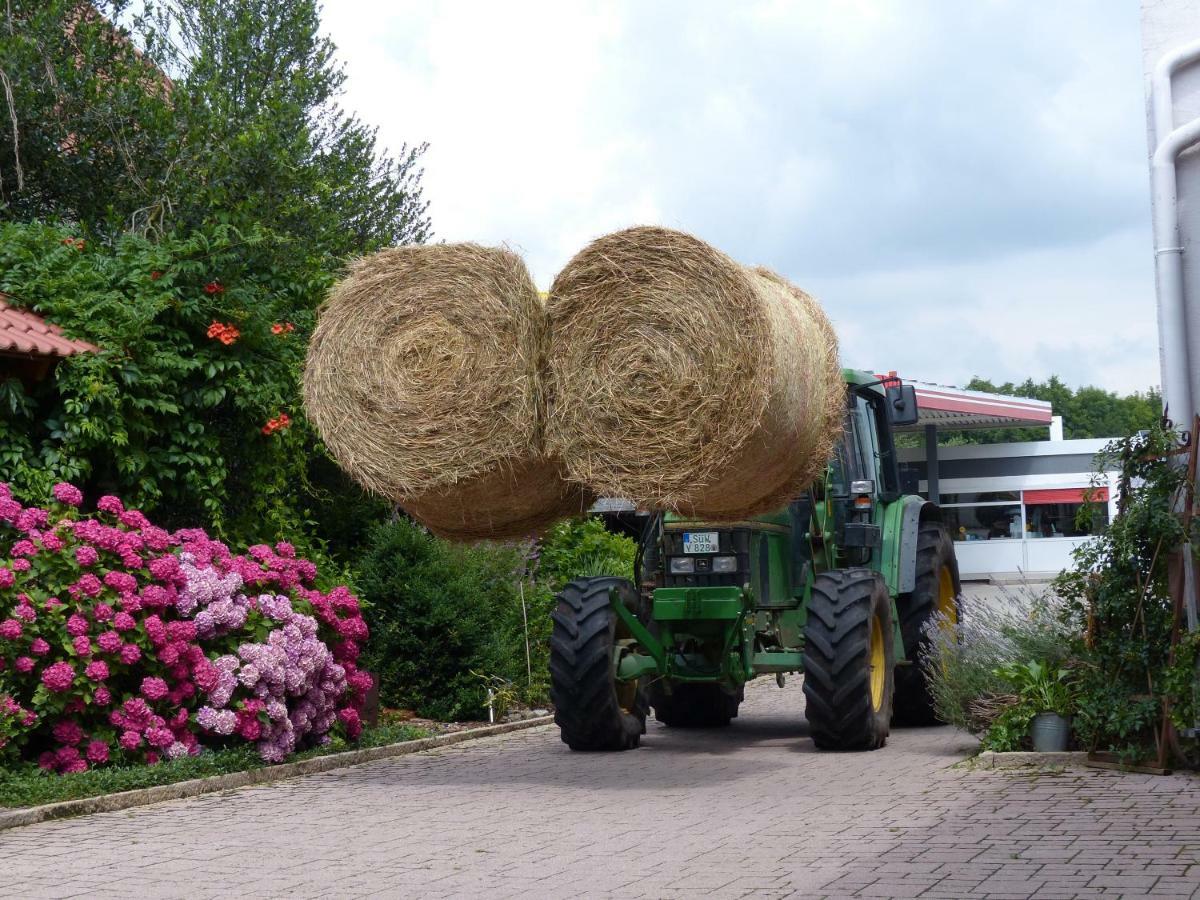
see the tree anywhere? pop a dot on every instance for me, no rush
(197, 112)
(208, 185)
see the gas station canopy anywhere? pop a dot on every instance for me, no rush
(954, 408)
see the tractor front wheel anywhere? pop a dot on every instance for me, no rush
(849, 660)
(593, 710)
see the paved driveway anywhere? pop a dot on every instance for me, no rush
(751, 811)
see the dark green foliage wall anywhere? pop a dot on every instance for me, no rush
(439, 611)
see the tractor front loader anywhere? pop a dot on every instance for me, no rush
(838, 586)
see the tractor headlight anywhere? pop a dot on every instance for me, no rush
(682, 565)
(724, 563)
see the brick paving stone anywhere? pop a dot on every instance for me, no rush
(748, 811)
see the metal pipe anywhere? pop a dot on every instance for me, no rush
(1177, 343)
(1177, 346)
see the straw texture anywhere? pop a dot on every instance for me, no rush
(682, 380)
(424, 380)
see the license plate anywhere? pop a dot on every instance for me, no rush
(700, 542)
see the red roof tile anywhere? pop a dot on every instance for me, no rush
(28, 334)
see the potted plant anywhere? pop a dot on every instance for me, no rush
(1046, 692)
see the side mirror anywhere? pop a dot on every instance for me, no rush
(902, 404)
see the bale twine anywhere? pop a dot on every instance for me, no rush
(682, 380)
(424, 380)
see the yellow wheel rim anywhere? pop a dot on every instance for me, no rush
(878, 663)
(946, 601)
(627, 694)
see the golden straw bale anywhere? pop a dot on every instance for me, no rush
(424, 380)
(682, 380)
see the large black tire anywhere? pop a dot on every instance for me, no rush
(936, 571)
(848, 638)
(587, 705)
(695, 704)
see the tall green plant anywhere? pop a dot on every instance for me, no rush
(1119, 604)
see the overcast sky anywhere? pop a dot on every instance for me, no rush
(962, 184)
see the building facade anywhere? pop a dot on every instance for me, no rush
(1017, 508)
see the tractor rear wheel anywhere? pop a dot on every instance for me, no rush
(593, 710)
(936, 590)
(695, 704)
(849, 660)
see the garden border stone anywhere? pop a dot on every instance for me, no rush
(990, 759)
(31, 815)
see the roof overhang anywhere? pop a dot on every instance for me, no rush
(955, 408)
(26, 335)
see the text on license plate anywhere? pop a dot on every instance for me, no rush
(700, 542)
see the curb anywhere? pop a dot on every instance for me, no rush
(196, 786)
(990, 759)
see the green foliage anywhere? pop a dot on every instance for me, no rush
(439, 613)
(1120, 608)
(30, 786)
(447, 621)
(1009, 731)
(1041, 687)
(581, 547)
(200, 139)
(164, 414)
(194, 113)
(976, 667)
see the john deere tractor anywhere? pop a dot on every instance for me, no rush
(837, 586)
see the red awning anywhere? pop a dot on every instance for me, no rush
(1066, 495)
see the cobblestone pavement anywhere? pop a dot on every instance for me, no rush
(750, 811)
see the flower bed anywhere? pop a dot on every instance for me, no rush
(121, 642)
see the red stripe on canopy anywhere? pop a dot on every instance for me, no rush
(1066, 495)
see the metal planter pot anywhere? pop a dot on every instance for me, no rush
(1050, 733)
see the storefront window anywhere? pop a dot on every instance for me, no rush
(983, 522)
(1063, 519)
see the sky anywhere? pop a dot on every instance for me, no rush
(963, 186)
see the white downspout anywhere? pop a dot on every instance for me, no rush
(1178, 344)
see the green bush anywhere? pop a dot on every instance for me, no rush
(575, 548)
(972, 665)
(448, 619)
(438, 613)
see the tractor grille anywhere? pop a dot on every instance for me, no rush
(730, 542)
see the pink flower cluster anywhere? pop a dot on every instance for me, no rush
(120, 641)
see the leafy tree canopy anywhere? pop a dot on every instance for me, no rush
(195, 112)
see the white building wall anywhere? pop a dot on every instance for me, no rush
(1010, 556)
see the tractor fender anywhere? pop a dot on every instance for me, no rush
(912, 512)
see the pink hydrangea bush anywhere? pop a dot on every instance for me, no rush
(121, 642)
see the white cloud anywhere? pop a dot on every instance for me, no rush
(963, 185)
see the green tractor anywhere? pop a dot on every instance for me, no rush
(837, 586)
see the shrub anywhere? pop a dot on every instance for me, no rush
(438, 612)
(969, 664)
(126, 643)
(447, 620)
(1134, 662)
(580, 547)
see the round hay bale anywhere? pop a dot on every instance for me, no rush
(424, 380)
(682, 380)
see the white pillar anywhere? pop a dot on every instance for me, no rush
(1056, 431)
